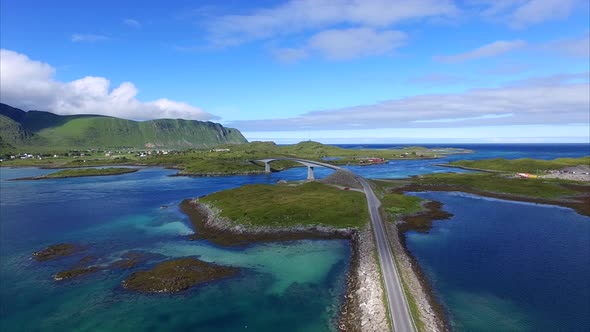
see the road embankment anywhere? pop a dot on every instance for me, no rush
(363, 306)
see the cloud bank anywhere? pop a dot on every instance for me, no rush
(558, 100)
(347, 29)
(29, 84)
(301, 15)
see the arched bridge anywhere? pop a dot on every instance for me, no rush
(309, 163)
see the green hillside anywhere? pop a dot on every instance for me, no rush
(43, 130)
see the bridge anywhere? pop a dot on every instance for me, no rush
(310, 164)
(399, 310)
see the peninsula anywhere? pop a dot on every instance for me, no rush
(82, 172)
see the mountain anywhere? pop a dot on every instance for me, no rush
(44, 131)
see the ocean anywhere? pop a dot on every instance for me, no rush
(297, 285)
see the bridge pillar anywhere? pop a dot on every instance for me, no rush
(310, 173)
(267, 167)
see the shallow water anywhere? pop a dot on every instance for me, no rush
(298, 284)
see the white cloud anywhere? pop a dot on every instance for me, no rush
(487, 134)
(290, 55)
(132, 23)
(344, 44)
(352, 43)
(523, 13)
(573, 47)
(80, 37)
(301, 15)
(29, 84)
(490, 50)
(559, 103)
(537, 11)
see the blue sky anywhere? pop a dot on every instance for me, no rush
(343, 71)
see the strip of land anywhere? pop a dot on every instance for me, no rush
(229, 159)
(82, 172)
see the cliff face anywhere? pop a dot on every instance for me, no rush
(20, 129)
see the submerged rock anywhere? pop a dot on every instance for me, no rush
(56, 251)
(75, 272)
(133, 258)
(176, 275)
(78, 270)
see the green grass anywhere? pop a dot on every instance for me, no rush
(494, 183)
(236, 160)
(284, 206)
(89, 172)
(521, 165)
(414, 311)
(397, 205)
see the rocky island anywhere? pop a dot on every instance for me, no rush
(176, 275)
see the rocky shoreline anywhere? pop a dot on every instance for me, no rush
(363, 308)
(432, 316)
(210, 226)
(579, 203)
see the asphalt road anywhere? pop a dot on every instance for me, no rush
(399, 309)
(398, 306)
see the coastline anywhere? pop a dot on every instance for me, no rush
(362, 307)
(432, 315)
(467, 168)
(432, 312)
(47, 177)
(580, 204)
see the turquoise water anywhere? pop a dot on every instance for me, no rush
(500, 265)
(296, 285)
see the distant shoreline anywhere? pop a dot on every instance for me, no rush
(85, 172)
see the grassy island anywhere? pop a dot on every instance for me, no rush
(282, 206)
(534, 166)
(80, 172)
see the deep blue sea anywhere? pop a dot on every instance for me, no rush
(294, 286)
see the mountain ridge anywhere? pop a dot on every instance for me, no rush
(43, 130)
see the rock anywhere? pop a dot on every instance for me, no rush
(132, 258)
(176, 275)
(343, 178)
(56, 251)
(78, 270)
(75, 272)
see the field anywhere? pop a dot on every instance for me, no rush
(527, 165)
(229, 158)
(80, 172)
(286, 205)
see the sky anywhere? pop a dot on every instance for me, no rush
(334, 71)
